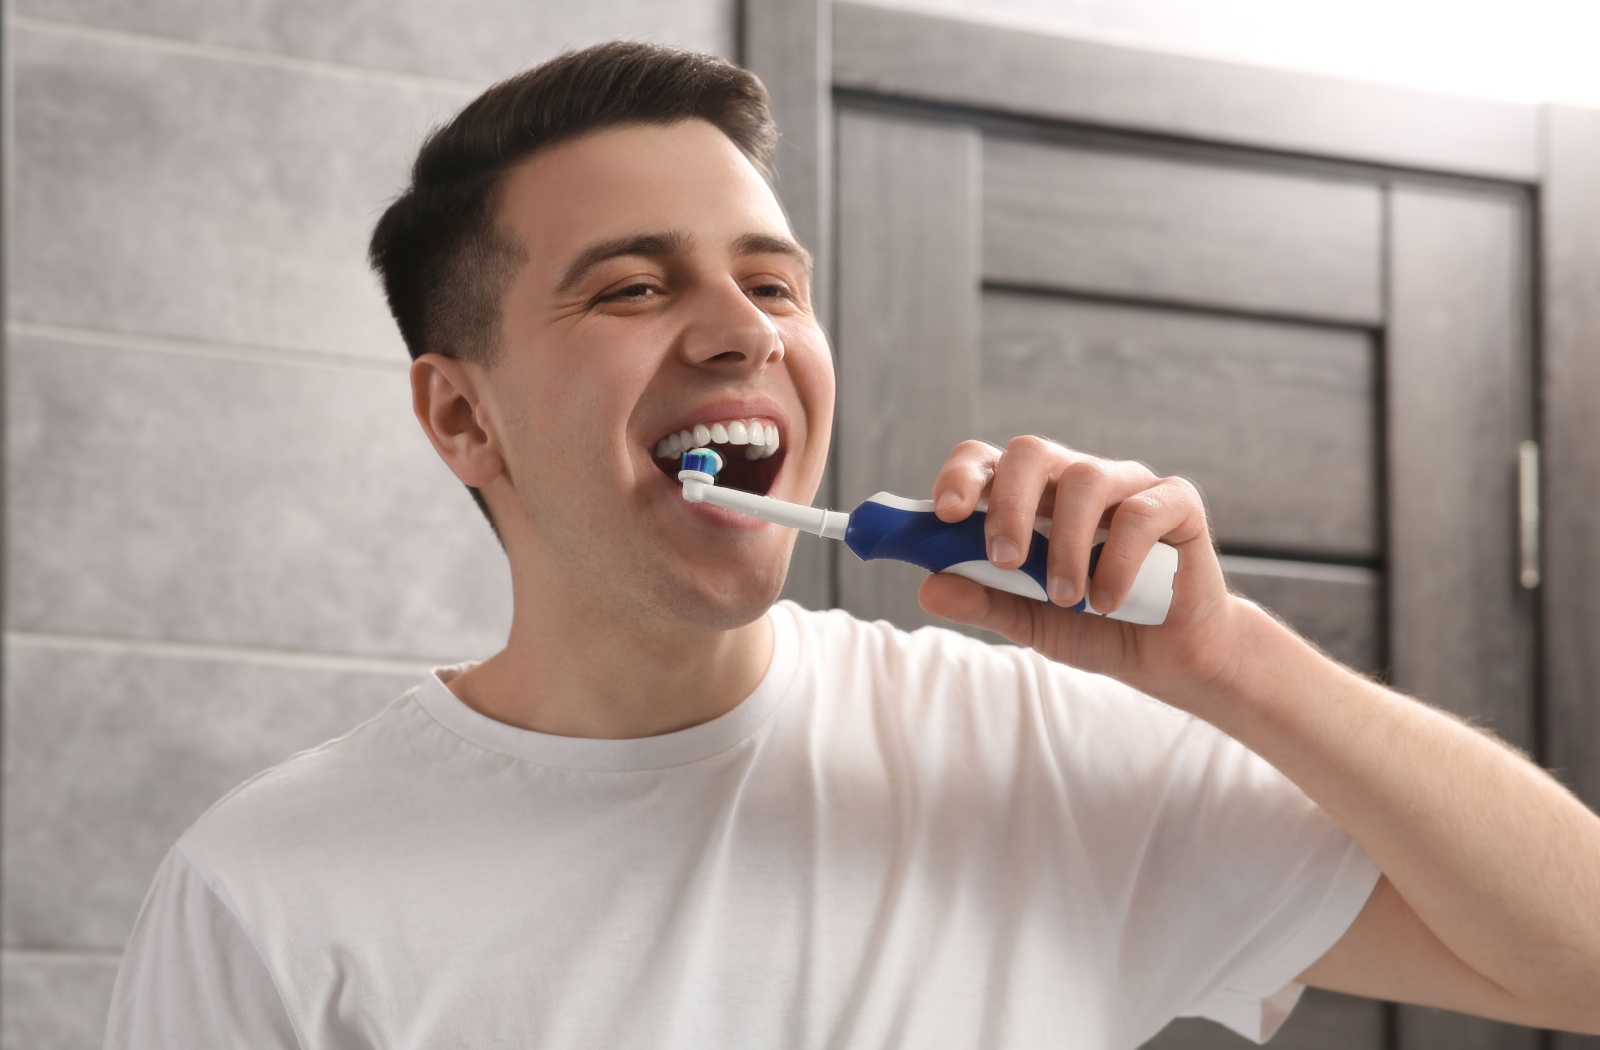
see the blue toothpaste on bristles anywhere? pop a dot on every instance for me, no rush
(901, 529)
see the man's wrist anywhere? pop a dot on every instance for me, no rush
(1264, 666)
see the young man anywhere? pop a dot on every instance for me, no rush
(673, 813)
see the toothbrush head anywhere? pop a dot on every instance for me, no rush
(702, 460)
(699, 473)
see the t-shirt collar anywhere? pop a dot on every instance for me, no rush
(643, 753)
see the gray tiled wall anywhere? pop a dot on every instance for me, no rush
(237, 501)
(473, 41)
(188, 196)
(115, 748)
(226, 538)
(55, 1000)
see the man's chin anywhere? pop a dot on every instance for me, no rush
(725, 605)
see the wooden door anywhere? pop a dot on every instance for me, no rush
(1139, 257)
(1339, 361)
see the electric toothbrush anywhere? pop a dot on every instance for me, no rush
(901, 529)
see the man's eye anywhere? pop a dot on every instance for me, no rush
(638, 290)
(771, 291)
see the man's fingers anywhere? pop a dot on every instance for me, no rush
(1080, 493)
(1086, 490)
(1169, 510)
(1025, 470)
(963, 479)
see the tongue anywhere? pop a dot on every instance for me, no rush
(738, 472)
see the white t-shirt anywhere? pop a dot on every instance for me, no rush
(897, 839)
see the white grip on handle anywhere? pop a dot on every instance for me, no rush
(1147, 603)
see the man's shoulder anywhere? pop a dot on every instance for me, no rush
(309, 797)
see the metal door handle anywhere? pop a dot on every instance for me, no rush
(1528, 512)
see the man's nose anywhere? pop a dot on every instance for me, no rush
(731, 331)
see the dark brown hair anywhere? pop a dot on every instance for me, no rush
(445, 263)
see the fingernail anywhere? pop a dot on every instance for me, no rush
(1002, 549)
(1061, 590)
(945, 502)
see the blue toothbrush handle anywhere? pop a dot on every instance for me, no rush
(899, 529)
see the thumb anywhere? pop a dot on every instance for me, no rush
(968, 602)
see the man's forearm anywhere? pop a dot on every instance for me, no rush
(1499, 861)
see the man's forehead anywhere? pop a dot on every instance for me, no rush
(654, 190)
(632, 167)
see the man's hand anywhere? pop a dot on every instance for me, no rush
(1201, 641)
(1488, 904)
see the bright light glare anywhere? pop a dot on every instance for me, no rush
(1531, 51)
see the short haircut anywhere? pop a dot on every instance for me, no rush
(444, 261)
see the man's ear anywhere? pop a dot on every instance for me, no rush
(445, 394)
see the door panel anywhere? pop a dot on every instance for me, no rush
(1276, 422)
(1181, 231)
(907, 324)
(1340, 607)
(1458, 404)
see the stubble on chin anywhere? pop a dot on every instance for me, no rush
(680, 600)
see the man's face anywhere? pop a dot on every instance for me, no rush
(662, 292)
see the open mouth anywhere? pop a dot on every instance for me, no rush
(752, 453)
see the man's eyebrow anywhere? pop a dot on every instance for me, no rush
(673, 242)
(768, 244)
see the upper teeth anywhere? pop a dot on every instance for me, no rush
(759, 435)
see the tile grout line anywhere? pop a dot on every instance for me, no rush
(218, 350)
(246, 56)
(60, 954)
(229, 653)
(7, 226)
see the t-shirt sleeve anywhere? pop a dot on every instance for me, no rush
(1222, 880)
(191, 976)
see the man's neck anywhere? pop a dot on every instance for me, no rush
(606, 678)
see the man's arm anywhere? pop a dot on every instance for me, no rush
(191, 976)
(1490, 901)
